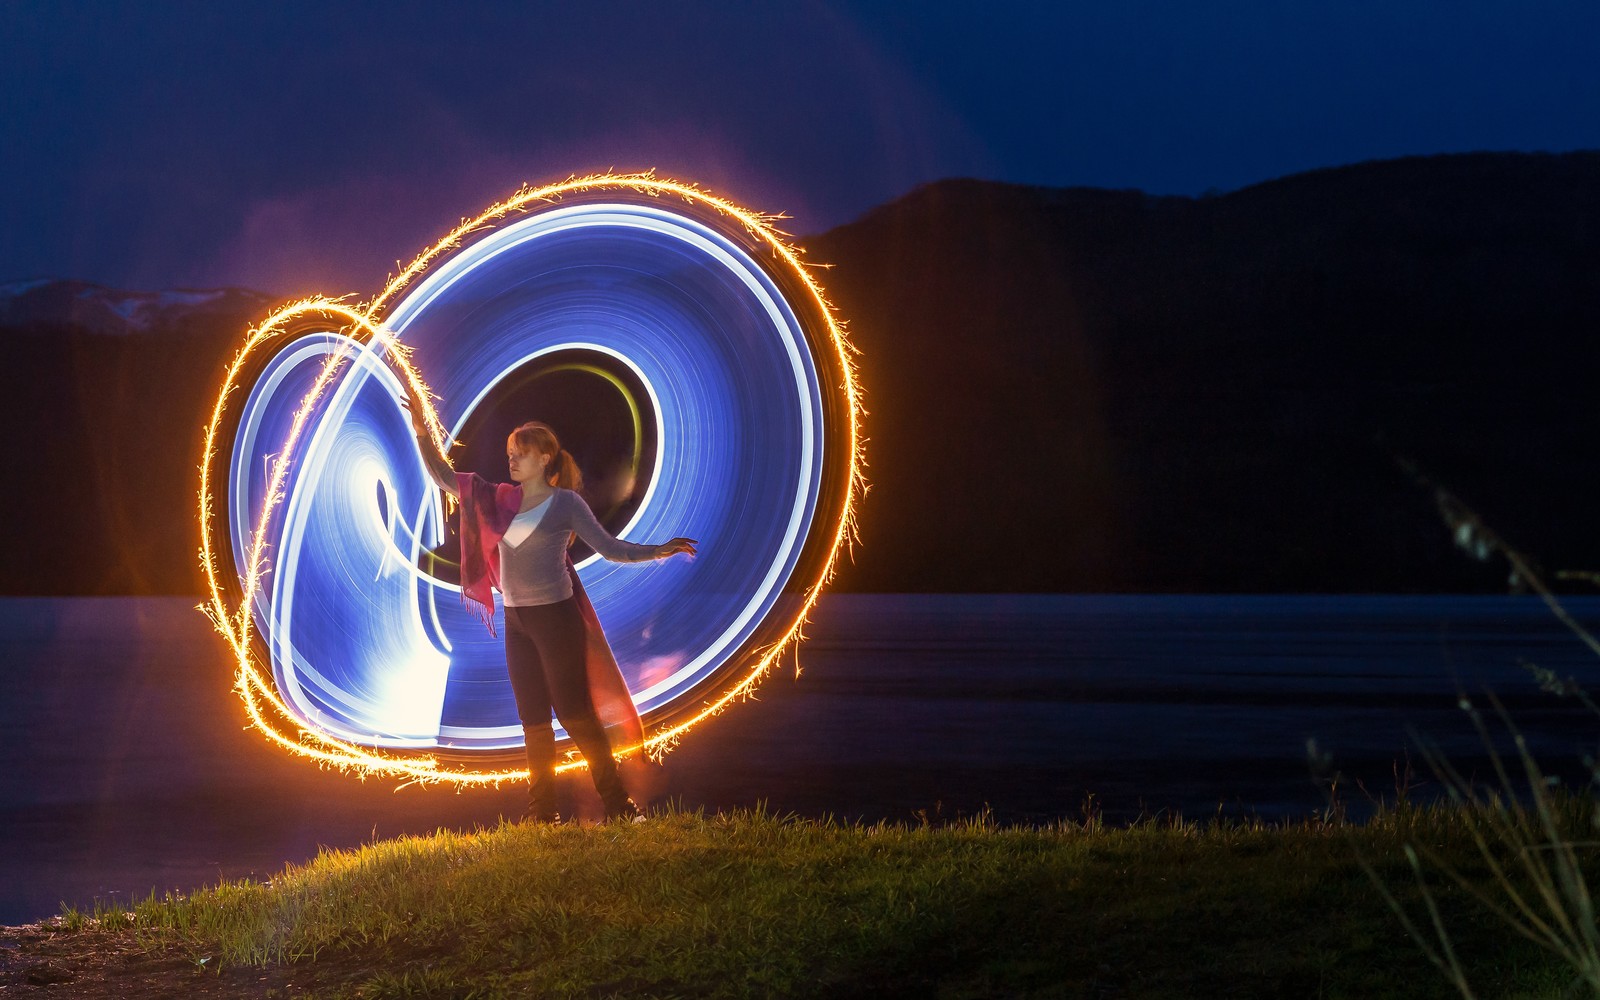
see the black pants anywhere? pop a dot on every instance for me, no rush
(545, 656)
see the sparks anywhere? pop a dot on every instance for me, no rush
(373, 330)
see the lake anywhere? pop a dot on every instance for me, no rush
(127, 764)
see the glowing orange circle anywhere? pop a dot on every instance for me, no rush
(364, 323)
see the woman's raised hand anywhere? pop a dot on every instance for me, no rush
(419, 423)
(672, 548)
(432, 458)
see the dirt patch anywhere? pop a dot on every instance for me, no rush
(48, 960)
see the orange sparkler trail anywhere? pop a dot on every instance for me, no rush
(365, 324)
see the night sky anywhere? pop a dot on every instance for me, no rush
(292, 148)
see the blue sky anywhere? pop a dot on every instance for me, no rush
(294, 149)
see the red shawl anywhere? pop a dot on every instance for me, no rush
(486, 512)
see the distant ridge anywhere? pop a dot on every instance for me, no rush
(1070, 389)
(1082, 389)
(78, 305)
(106, 392)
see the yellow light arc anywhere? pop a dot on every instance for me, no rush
(265, 708)
(627, 397)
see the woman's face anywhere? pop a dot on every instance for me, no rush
(525, 466)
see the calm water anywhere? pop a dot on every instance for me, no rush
(127, 767)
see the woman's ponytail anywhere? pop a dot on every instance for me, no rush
(564, 471)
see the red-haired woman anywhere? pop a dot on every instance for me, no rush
(514, 536)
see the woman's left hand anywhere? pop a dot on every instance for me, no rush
(672, 548)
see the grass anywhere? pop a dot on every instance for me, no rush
(1532, 847)
(755, 905)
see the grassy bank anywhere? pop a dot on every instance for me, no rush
(752, 905)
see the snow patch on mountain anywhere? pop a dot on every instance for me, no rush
(54, 303)
(15, 288)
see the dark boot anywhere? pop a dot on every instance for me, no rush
(541, 746)
(591, 741)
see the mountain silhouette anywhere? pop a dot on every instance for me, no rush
(1089, 390)
(1068, 389)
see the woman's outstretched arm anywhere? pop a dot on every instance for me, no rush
(615, 549)
(432, 458)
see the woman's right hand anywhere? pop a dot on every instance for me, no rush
(672, 548)
(432, 458)
(419, 423)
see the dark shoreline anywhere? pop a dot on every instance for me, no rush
(131, 767)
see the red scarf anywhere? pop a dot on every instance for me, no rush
(486, 512)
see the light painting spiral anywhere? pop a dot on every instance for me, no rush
(691, 362)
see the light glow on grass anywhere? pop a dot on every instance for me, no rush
(751, 904)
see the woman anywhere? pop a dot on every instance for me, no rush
(515, 537)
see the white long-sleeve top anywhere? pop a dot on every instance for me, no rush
(533, 568)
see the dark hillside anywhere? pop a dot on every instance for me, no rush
(1095, 390)
(1069, 389)
(107, 394)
